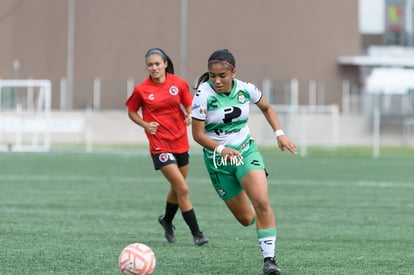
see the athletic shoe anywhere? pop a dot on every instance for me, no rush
(270, 267)
(168, 228)
(200, 239)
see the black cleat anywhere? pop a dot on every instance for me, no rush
(270, 267)
(200, 239)
(168, 228)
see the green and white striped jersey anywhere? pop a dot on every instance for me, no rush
(225, 116)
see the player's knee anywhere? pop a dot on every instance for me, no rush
(244, 222)
(182, 190)
(247, 220)
(262, 207)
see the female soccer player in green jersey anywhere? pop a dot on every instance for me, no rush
(220, 113)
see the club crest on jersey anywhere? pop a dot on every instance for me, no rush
(173, 90)
(151, 96)
(241, 97)
(164, 157)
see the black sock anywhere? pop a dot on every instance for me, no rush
(170, 210)
(191, 220)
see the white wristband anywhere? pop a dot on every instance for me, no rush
(219, 148)
(279, 133)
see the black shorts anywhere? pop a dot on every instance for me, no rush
(162, 159)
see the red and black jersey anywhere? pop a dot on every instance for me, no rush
(161, 103)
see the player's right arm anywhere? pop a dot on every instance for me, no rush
(150, 127)
(199, 115)
(207, 142)
(134, 103)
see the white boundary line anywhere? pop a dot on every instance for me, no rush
(120, 179)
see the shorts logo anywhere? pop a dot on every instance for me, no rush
(173, 90)
(224, 161)
(164, 157)
(221, 192)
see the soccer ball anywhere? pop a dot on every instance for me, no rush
(137, 259)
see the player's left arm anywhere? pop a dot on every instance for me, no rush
(187, 114)
(270, 114)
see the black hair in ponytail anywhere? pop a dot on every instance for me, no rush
(165, 57)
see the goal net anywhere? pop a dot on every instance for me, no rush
(24, 114)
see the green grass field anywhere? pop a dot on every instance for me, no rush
(338, 212)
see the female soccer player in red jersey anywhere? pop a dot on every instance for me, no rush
(159, 97)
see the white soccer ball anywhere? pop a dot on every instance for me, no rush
(137, 259)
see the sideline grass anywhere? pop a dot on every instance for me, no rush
(67, 213)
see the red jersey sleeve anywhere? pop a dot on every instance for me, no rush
(186, 97)
(134, 102)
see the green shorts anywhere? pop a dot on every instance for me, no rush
(226, 177)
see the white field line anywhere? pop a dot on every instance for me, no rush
(383, 184)
(33, 178)
(119, 179)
